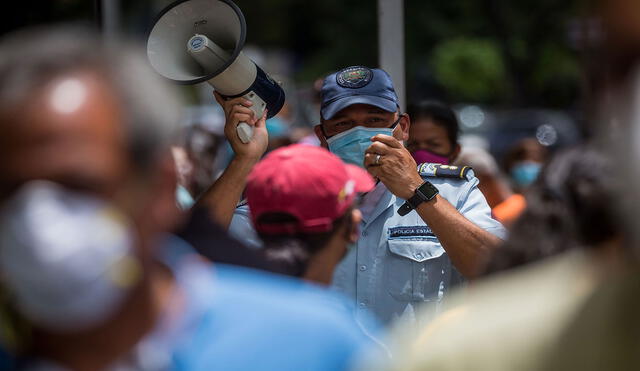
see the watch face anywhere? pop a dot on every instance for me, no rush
(428, 190)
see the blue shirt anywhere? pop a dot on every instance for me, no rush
(398, 264)
(240, 319)
(230, 318)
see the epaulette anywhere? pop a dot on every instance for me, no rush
(445, 171)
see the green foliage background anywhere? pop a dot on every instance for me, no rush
(500, 52)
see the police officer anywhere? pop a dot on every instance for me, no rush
(423, 229)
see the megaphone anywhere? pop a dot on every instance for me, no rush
(201, 40)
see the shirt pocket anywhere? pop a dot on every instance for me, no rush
(418, 269)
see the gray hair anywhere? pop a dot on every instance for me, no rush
(151, 108)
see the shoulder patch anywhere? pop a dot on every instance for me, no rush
(445, 171)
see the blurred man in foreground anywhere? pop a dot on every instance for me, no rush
(604, 335)
(87, 192)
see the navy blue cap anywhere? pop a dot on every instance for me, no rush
(354, 85)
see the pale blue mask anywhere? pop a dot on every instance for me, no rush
(183, 198)
(351, 144)
(525, 173)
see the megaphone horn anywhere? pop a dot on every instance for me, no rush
(201, 40)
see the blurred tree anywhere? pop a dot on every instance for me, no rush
(325, 35)
(471, 69)
(529, 37)
(514, 53)
(40, 12)
(534, 43)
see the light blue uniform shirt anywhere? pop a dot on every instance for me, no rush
(241, 228)
(398, 264)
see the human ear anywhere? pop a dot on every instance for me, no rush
(404, 124)
(323, 140)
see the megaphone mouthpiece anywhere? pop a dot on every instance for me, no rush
(220, 21)
(210, 56)
(197, 43)
(235, 79)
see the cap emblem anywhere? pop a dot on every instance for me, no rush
(354, 77)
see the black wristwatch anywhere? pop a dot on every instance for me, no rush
(426, 192)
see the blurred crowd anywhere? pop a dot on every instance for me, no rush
(348, 234)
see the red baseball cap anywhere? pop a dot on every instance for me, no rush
(307, 182)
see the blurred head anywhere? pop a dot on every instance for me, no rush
(184, 167)
(102, 126)
(524, 161)
(433, 136)
(572, 205)
(84, 135)
(184, 173)
(621, 19)
(202, 147)
(279, 130)
(302, 204)
(357, 104)
(615, 92)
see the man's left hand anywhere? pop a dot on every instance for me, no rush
(387, 159)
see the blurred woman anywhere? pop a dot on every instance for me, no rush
(433, 134)
(523, 163)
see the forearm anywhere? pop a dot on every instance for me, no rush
(467, 245)
(223, 196)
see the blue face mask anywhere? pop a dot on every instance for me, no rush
(525, 173)
(351, 144)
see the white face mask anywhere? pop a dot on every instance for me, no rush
(66, 257)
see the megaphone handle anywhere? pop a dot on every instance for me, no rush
(244, 130)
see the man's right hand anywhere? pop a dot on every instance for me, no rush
(238, 110)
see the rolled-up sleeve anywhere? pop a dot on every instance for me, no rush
(474, 207)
